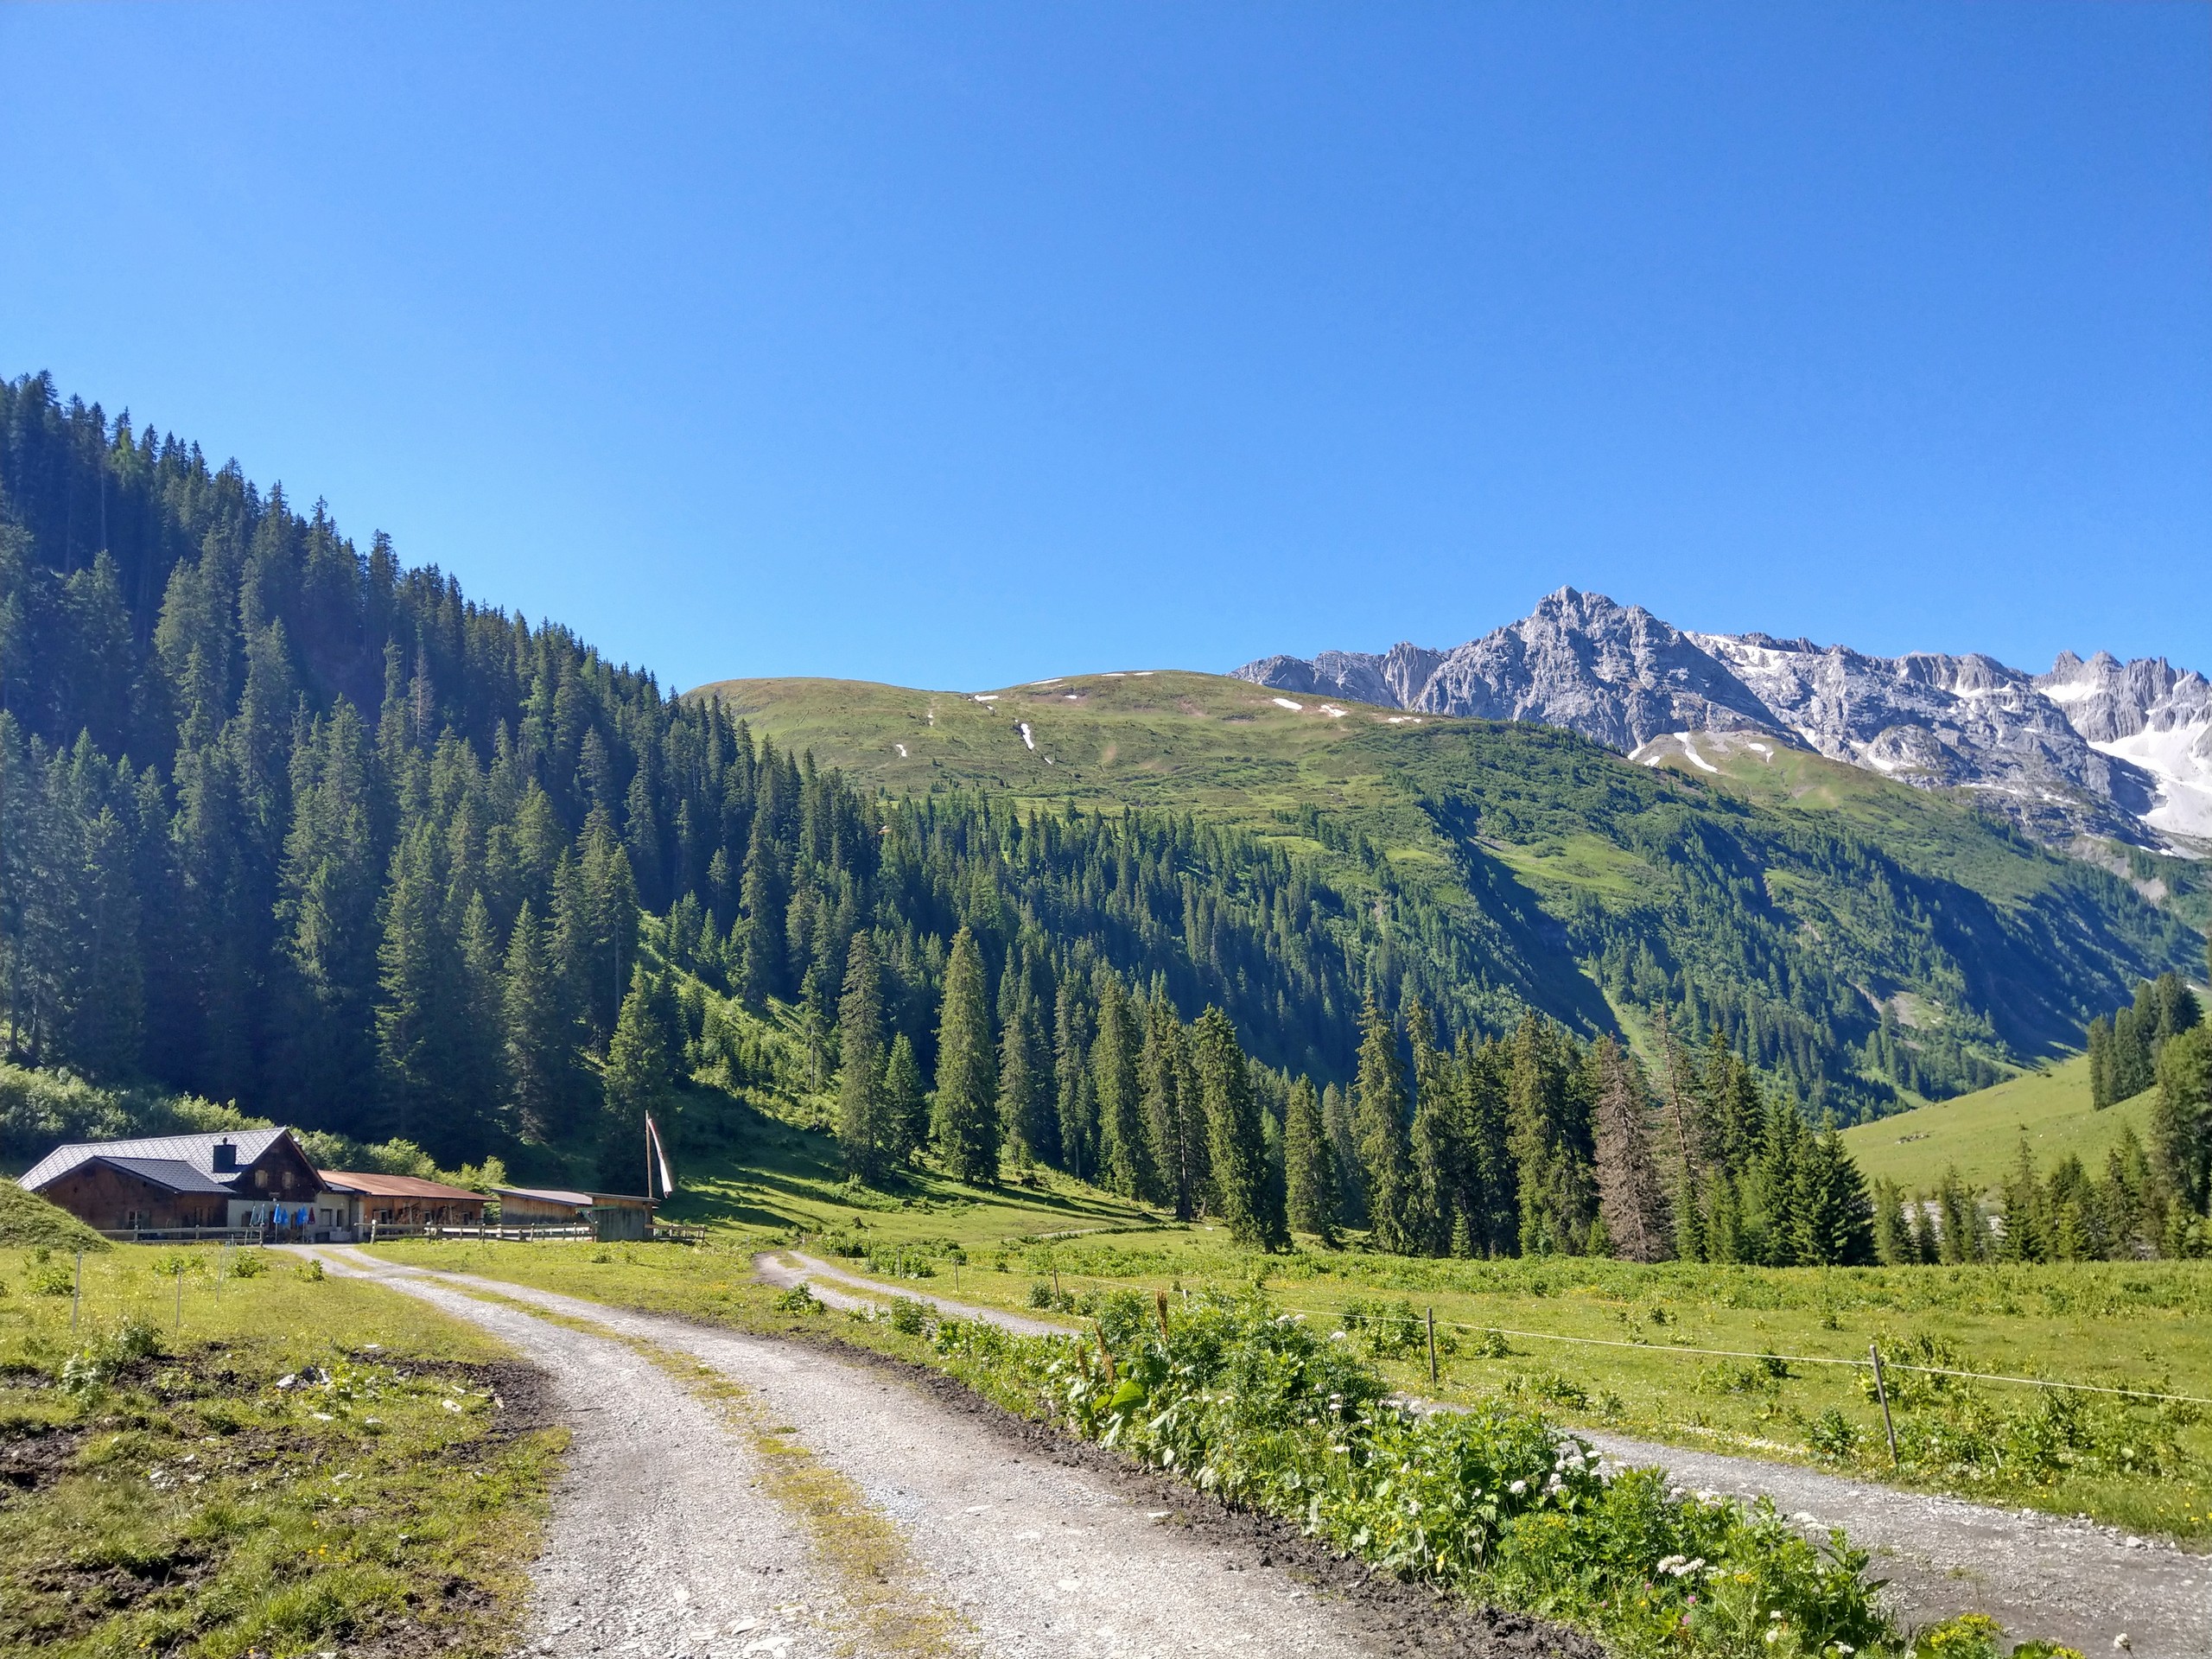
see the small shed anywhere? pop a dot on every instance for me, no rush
(612, 1216)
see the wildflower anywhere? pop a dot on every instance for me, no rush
(1518, 1487)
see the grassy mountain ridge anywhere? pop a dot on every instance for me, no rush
(1870, 942)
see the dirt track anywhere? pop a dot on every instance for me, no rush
(2040, 1575)
(670, 1538)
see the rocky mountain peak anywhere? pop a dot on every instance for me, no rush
(2100, 745)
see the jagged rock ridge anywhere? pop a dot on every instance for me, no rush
(2099, 746)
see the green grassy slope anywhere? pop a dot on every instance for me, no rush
(1981, 1133)
(1797, 893)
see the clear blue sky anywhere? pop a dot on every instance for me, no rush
(959, 346)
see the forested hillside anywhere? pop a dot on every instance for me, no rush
(286, 823)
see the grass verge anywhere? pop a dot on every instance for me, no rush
(299, 1465)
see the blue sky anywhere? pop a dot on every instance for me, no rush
(960, 345)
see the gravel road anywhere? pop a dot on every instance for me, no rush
(2040, 1575)
(2069, 1581)
(663, 1537)
(663, 1542)
(795, 1267)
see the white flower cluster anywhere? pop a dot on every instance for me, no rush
(1681, 1567)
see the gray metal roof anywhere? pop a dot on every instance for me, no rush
(197, 1151)
(177, 1176)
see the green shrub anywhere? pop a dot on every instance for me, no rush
(908, 1317)
(798, 1299)
(248, 1264)
(1833, 1435)
(310, 1270)
(51, 1278)
(1251, 1403)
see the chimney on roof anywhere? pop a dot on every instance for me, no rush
(227, 1157)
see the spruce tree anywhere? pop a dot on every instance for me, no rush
(1022, 1079)
(1309, 1166)
(1437, 1144)
(861, 1104)
(539, 1037)
(1836, 1221)
(416, 989)
(1175, 1123)
(640, 1072)
(964, 1118)
(905, 1106)
(1074, 1100)
(1384, 1151)
(1124, 1150)
(1631, 1198)
(2181, 1117)
(1549, 1134)
(1250, 1204)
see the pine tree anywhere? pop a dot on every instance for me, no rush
(861, 1104)
(1549, 1134)
(1438, 1145)
(1836, 1219)
(1124, 1153)
(1384, 1153)
(416, 983)
(1021, 1082)
(1251, 1205)
(1075, 1100)
(640, 1072)
(906, 1107)
(476, 1117)
(965, 1120)
(1309, 1167)
(1175, 1123)
(539, 1035)
(2181, 1118)
(1631, 1198)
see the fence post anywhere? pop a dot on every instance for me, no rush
(77, 1295)
(1882, 1394)
(1432, 1347)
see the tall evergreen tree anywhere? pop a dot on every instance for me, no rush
(1124, 1149)
(1076, 1100)
(539, 1034)
(1309, 1165)
(905, 1106)
(640, 1072)
(1630, 1195)
(965, 1119)
(1174, 1111)
(1251, 1205)
(861, 1107)
(1384, 1151)
(1437, 1143)
(1022, 1114)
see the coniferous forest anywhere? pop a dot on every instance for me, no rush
(286, 824)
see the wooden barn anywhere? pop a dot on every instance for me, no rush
(236, 1179)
